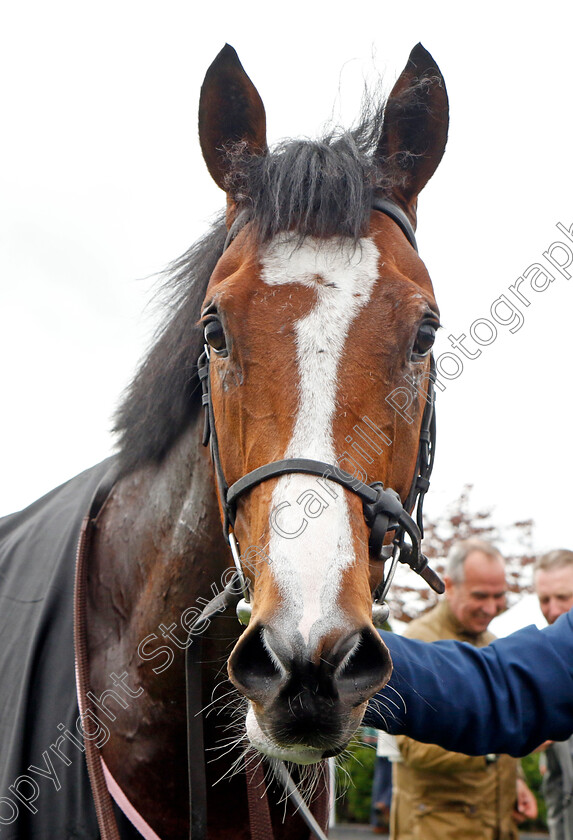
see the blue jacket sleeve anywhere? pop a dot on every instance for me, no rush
(505, 698)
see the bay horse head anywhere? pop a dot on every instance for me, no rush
(317, 317)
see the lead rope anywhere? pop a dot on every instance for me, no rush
(259, 811)
(195, 742)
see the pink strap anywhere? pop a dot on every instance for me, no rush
(125, 805)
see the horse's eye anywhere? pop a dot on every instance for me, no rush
(215, 336)
(424, 340)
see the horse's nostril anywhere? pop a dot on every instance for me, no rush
(253, 668)
(365, 669)
(356, 668)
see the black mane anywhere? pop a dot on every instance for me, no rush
(164, 395)
(313, 188)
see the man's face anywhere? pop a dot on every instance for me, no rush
(481, 596)
(554, 589)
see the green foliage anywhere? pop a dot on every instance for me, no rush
(355, 773)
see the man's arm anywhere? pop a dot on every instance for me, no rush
(507, 697)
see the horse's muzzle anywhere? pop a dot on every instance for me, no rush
(302, 703)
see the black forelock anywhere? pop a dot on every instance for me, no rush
(316, 188)
(164, 394)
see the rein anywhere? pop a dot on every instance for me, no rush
(100, 791)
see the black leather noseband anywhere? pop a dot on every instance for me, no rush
(383, 509)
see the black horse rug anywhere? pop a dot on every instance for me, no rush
(44, 786)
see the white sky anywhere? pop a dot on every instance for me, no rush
(102, 184)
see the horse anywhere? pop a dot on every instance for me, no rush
(298, 347)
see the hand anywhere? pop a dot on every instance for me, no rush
(526, 805)
(542, 747)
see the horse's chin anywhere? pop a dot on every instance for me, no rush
(297, 753)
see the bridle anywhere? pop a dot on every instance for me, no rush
(383, 509)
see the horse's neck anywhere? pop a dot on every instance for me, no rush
(158, 547)
(157, 556)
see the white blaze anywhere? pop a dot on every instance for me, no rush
(308, 567)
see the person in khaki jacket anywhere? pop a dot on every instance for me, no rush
(441, 795)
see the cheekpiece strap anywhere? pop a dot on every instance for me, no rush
(389, 208)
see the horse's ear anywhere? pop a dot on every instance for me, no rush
(415, 128)
(230, 111)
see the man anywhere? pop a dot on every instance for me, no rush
(553, 580)
(440, 795)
